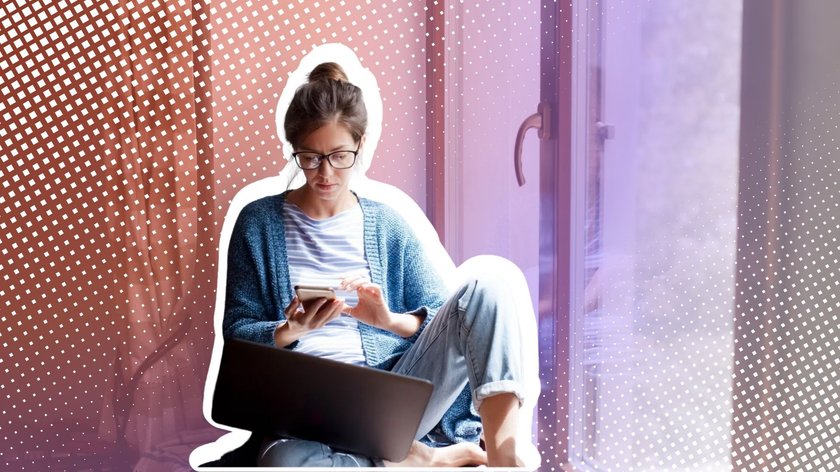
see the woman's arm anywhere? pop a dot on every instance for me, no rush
(372, 310)
(247, 311)
(424, 291)
(411, 290)
(405, 324)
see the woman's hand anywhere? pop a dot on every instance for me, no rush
(373, 310)
(313, 315)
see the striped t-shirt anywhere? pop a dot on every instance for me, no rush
(322, 253)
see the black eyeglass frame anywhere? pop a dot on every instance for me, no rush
(322, 157)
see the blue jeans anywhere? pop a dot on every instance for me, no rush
(474, 337)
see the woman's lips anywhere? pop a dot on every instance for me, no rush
(326, 186)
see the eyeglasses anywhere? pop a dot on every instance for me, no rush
(338, 159)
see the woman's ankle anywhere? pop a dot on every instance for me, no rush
(503, 454)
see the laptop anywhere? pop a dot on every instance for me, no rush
(290, 394)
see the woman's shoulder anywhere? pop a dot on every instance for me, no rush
(265, 204)
(383, 213)
(262, 209)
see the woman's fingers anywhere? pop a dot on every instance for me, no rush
(315, 313)
(328, 312)
(315, 306)
(310, 309)
(369, 289)
(292, 306)
(352, 282)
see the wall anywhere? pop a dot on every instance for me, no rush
(109, 162)
(257, 44)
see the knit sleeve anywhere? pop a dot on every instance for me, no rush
(424, 290)
(247, 314)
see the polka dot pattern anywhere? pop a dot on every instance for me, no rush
(709, 333)
(651, 377)
(107, 234)
(128, 126)
(121, 152)
(255, 48)
(786, 381)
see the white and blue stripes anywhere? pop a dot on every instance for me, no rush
(322, 253)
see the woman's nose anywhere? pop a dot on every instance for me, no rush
(325, 167)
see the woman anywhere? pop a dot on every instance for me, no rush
(396, 314)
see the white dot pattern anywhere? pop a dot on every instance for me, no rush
(787, 343)
(120, 150)
(654, 370)
(710, 336)
(114, 186)
(256, 47)
(107, 229)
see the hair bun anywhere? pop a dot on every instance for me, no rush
(327, 71)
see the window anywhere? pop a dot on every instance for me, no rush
(657, 174)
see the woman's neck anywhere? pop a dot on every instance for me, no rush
(317, 208)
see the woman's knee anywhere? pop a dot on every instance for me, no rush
(492, 284)
(491, 297)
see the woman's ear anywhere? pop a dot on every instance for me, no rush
(359, 167)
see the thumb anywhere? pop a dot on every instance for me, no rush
(292, 308)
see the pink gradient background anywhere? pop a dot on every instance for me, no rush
(255, 48)
(116, 179)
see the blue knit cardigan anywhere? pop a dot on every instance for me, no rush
(259, 289)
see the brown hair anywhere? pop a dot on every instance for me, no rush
(326, 97)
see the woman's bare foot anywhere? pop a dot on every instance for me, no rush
(456, 455)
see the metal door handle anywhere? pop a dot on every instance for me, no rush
(541, 120)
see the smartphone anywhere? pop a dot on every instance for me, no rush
(306, 293)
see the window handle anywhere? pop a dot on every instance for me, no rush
(605, 130)
(541, 120)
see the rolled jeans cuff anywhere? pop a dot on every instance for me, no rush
(494, 388)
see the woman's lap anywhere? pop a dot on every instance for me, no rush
(301, 453)
(474, 337)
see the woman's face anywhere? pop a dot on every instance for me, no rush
(326, 182)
